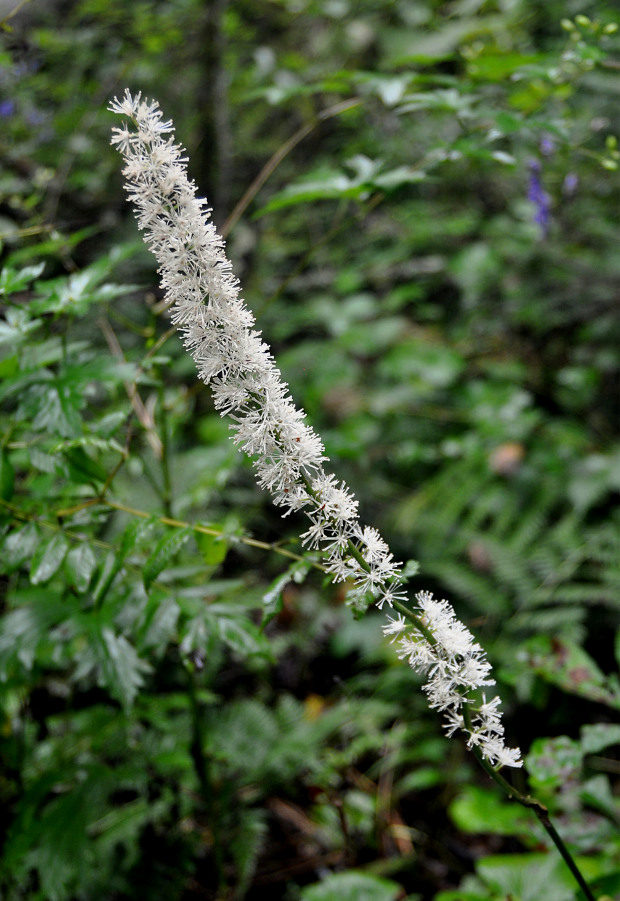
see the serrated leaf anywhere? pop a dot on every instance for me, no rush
(47, 559)
(83, 468)
(121, 670)
(134, 533)
(247, 845)
(80, 564)
(24, 629)
(160, 622)
(18, 547)
(242, 636)
(111, 565)
(165, 550)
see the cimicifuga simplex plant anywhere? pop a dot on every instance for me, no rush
(289, 459)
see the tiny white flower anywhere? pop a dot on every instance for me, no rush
(218, 331)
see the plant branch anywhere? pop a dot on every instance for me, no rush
(539, 809)
(272, 164)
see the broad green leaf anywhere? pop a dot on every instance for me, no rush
(165, 549)
(480, 810)
(596, 793)
(460, 895)
(80, 564)
(567, 665)
(18, 547)
(528, 877)
(551, 762)
(599, 736)
(213, 548)
(47, 559)
(352, 886)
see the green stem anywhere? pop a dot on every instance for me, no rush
(165, 455)
(533, 804)
(202, 766)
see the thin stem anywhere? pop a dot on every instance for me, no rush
(202, 766)
(273, 163)
(165, 455)
(533, 804)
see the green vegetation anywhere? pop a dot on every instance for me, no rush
(421, 202)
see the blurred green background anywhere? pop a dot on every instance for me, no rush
(421, 199)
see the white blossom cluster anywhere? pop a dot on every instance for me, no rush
(456, 665)
(218, 331)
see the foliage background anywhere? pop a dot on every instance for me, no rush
(185, 710)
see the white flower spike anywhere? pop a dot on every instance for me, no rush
(218, 331)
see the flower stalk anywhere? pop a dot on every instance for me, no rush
(288, 456)
(218, 331)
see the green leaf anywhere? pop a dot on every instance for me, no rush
(83, 468)
(551, 762)
(165, 550)
(24, 629)
(599, 736)
(272, 599)
(47, 559)
(567, 665)
(162, 614)
(121, 670)
(596, 793)
(480, 810)
(16, 327)
(528, 877)
(352, 886)
(213, 548)
(459, 895)
(110, 567)
(18, 547)
(247, 845)
(14, 280)
(80, 564)
(7, 476)
(134, 533)
(242, 636)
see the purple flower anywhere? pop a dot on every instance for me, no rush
(7, 108)
(547, 146)
(570, 184)
(537, 195)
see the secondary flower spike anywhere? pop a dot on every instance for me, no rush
(288, 457)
